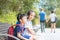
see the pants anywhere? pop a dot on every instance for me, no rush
(42, 26)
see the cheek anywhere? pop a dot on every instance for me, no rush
(25, 20)
(31, 18)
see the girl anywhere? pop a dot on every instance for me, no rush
(53, 20)
(28, 25)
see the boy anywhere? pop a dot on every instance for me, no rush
(42, 18)
(19, 30)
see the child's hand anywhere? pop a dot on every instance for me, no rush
(46, 21)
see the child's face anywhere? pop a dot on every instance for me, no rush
(24, 19)
(32, 15)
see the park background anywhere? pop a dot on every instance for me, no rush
(10, 8)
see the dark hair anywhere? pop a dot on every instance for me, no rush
(29, 12)
(52, 11)
(20, 16)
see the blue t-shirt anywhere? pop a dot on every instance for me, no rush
(42, 16)
(17, 22)
(18, 29)
(21, 30)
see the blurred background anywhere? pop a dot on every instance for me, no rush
(10, 8)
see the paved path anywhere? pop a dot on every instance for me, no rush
(40, 36)
(48, 35)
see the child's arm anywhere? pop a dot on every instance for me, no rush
(21, 37)
(31, 31)
(48, 18)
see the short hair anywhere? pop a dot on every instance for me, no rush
(41, 9)
(20, 16)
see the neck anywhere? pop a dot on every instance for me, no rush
(29, 19)
(22, 24)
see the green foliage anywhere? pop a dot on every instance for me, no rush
(9, 9)
(58, 24)
(8, 18)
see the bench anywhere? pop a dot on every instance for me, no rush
(3, 31)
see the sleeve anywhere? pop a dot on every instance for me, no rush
(28, 25)
(19, 29)
(44, 13)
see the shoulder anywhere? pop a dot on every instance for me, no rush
(54, 14)
(17, 27)
(17, 22)
(44, 12)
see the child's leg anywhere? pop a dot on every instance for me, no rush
(51, 27)
(41, 27)
(34, 37)
(54, 27)
(31, 38)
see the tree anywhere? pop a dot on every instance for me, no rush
(10, 8)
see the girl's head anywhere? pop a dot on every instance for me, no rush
(31, 15)
(52, 11)
(22, 18)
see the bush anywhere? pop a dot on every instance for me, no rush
(8, 18)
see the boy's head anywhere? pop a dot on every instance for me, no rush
(22, 18)
(31, 14)
(41, 9)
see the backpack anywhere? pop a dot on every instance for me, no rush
(11, 32)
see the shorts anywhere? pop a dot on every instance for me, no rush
(42, 21)
(53, 22)
(26, 36)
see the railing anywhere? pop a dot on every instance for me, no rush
(5, 37)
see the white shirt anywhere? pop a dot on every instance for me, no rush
(52, 17)
(28, 25)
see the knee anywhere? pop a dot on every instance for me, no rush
(34, 37)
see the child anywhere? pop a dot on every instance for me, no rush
(19, 30)
(42, 17)
(53, 20)
(28, 25)
(30, 17)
